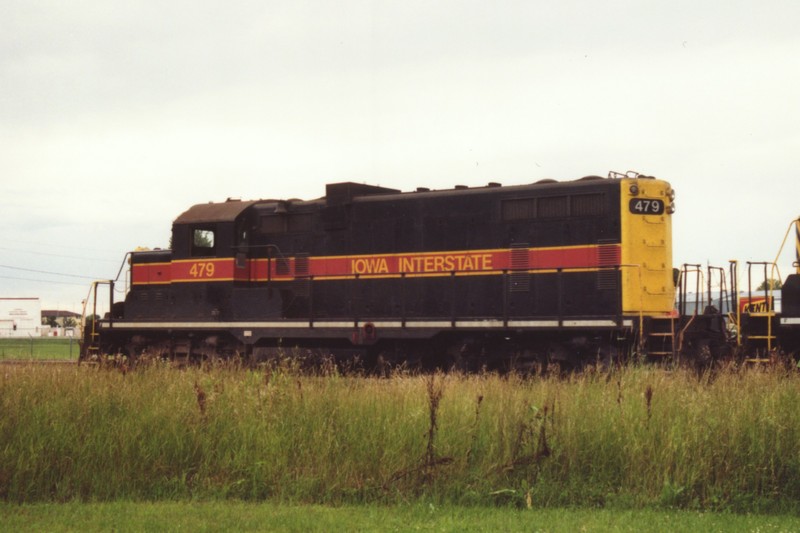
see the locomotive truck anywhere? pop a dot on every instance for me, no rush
(551, 272)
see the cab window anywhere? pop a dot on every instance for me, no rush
(202, 242)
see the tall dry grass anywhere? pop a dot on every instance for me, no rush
(631, 437)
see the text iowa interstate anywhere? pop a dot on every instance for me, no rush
(417, 264)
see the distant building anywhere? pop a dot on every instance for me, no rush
(60, 323)
(20, 317)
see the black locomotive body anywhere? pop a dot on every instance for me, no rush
(553, 271)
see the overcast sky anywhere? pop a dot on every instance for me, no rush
(117, 116)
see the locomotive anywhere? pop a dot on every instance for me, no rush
(551, 272)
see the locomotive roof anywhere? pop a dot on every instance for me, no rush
(544, 184)
(348, 191)
(214, 212)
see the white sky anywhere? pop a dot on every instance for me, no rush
(117, 116)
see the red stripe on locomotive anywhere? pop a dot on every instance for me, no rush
(423, 264)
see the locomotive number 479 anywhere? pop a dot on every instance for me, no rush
(202, 270)
(642, 206)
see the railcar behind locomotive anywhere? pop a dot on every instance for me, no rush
(570, 272)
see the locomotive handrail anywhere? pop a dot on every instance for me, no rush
(768, 281)
(797, 245)
(796, 263)
(723, 288)
(734, 265)
(93, 334)
(687, 269)
(768, 295)
(641, 307)
(126, 260)
(122, 266)
(684, 330)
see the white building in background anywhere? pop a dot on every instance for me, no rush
(20, 317)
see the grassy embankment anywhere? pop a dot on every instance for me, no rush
(55, 348)
(637, 437)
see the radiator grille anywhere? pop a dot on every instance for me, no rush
(520, 264)
(608, 255)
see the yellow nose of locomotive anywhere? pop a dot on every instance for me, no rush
(646, 206)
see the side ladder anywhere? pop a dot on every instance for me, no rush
(660, 338)
(760, 316)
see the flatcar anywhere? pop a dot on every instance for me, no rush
(567, 272)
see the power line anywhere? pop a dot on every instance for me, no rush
(47, 272)
(84, 258)
(67, 246)
(44, 281)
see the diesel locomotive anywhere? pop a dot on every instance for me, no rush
(566, 272)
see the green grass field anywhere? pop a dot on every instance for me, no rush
(240, 516)
(634, 438)
(39, 348)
